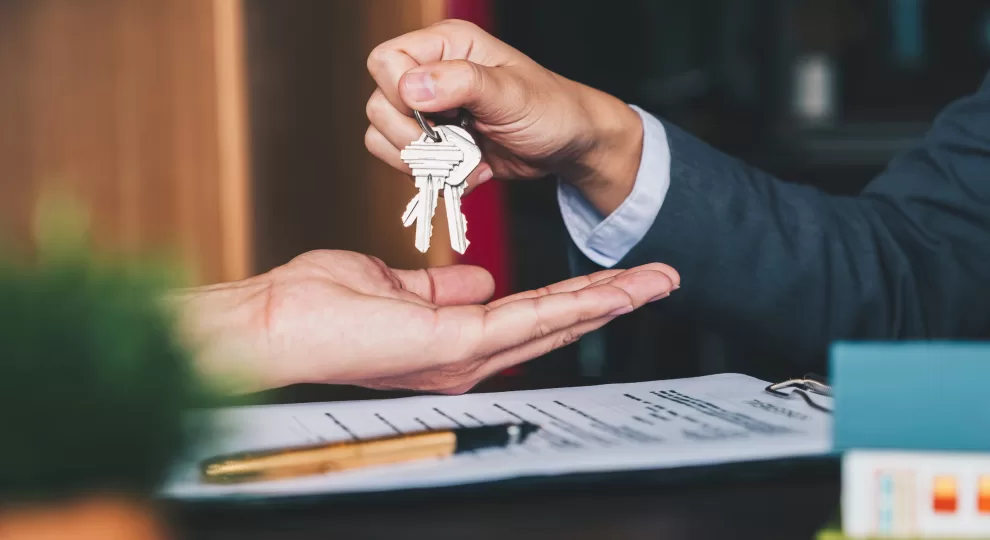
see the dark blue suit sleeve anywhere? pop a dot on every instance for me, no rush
(791, 268)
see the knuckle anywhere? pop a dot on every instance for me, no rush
(469, 27)
(377, 59)
(374, 108)
(369, 139)
(457, 24)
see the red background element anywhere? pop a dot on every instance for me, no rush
(485, 208)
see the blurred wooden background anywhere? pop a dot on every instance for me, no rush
(199, 125)
(316, 185)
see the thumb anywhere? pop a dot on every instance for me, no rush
(448, 285)
(487, 92)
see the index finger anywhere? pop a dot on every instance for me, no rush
(529, 319)
(581, 282)
(447, 40)
(573, 284)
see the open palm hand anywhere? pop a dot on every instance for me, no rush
(346, 318)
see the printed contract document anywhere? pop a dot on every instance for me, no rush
(649, 425)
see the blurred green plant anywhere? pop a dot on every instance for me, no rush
(93, 378)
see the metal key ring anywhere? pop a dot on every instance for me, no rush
(430, 132)
(464, 118)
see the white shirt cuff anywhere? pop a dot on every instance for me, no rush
(606, 240)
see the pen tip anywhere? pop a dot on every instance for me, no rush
(526, 429)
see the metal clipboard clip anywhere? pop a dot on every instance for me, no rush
(810, 384)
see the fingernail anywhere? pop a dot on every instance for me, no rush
(421, 86)
(485, 175)
(660, 297)
(676, 287)
(621, 311)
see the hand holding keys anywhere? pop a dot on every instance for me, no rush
(442, 158)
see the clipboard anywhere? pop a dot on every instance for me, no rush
(745, 403)
(811, 383)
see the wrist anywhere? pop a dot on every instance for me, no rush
(226, 326)
(607, 170)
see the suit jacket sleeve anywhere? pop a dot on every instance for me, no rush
(787, 266)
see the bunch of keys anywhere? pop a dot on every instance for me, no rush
(442, 158)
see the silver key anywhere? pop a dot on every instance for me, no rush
(455, 184)
(471, 153)
(456, 222)
(432, 163)
(421, 208)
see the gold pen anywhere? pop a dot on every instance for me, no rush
(323, 458)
